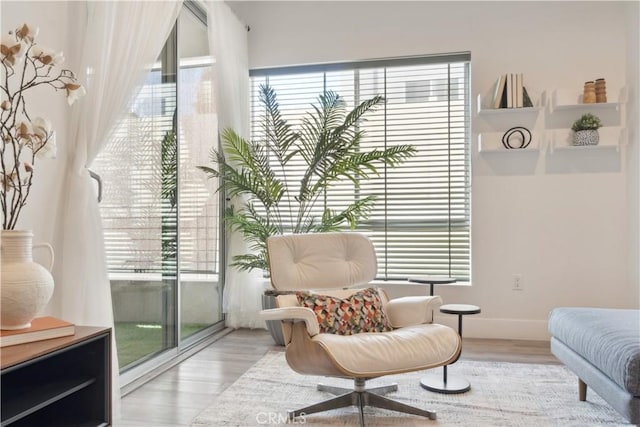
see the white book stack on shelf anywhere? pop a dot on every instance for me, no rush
(510, 92)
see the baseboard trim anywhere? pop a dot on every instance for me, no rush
(512, 329)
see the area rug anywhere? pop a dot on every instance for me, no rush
(502, 394)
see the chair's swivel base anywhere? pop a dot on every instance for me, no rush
(453, 385)
(360, 397)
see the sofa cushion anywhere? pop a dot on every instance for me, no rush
(608, 338)
(363, 311)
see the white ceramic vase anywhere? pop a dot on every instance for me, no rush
(25, 286)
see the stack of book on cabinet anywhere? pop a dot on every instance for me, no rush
(510, 92)
(42, 328)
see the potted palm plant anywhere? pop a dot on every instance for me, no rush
(327, 143)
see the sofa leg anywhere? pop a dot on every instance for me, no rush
(582, 390)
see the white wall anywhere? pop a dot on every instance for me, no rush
(563, 222)
(52, 17)
(633, 158)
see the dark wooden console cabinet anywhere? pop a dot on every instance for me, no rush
(58, 382)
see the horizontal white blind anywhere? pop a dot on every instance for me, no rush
(421, 220)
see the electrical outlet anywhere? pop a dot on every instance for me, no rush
(517, 282)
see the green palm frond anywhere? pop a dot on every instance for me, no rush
(358, 112)
(248, 262)
(361, 162)
(239, 151)
(317, 127)
(279, 133)
(352, 215)
(359, 166)
(169, 168)
(245, 170)
(329, 137)
(211, 172)
(255, 226)
(332, 109)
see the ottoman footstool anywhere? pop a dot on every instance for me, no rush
(602, 347)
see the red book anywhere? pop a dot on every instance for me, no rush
(42, 328)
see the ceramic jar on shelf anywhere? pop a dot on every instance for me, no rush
(601, 90)
(589, 95)
(25, 286)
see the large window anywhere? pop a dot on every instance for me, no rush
(421, 221)
(160, 213)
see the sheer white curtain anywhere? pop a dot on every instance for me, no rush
(228, 42)
(120, 42)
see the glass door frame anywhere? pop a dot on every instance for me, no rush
(173, 344)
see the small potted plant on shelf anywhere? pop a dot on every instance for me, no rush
(586, 130)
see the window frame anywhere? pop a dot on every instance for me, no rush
(457, 89)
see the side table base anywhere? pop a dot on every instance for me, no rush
(454, 385)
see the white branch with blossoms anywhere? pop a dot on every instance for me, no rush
(25, 65)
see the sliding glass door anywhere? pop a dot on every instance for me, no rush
(160, 213)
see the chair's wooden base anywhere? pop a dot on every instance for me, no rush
(360, 397)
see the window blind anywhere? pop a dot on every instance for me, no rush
(420, 223)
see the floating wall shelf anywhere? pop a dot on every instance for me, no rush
(554, 130)
(556, 105)
(486, 111)
(491, 142)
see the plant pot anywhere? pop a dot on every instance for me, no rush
(586, 137)
(274, 326)
(26, 286)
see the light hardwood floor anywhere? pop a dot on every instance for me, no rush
(176, 396)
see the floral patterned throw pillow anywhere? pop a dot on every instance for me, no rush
(361, 312)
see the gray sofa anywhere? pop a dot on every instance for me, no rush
(602, 347)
